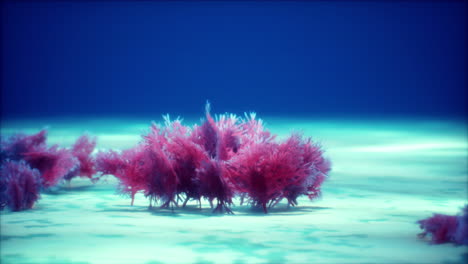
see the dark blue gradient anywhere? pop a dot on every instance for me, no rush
(324, 58)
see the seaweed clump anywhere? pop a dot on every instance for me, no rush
(223, 158)
(19, 185)
(29, 165)
(446, 228)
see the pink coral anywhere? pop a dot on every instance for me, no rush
(215, 184)
(207, 135)
(28, 164)
(132, 167)
(53, 163)
(253, 131)
(163, 180)
(17, 145)
(19, 185)
(310, 165)
(82, 150)
(446, 228)
(229, 133)
(187, 157)
(109, 162)
(268, 171)
(224, 157)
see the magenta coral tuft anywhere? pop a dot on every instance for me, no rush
(28, 165)
(163, 180)
(132, 167)
(187, 157)
(224, 157)
(19, 185)
(446, 228)
(109, 162)
(15, 147)
(53, 163)
(82, 150)
(214, 184)
(268, 172)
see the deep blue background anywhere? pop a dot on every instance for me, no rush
(333, 58)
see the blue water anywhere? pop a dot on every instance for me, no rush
(323, 58)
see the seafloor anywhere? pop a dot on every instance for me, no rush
(386, 175)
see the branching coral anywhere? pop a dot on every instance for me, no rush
(28, 165)
(82, 150)
(268, 171)
(132, 167)
(16, 146)
(53, 163)
(19, 185)
(223, 157)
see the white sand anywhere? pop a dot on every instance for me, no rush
(386, 176)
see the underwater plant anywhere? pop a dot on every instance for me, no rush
(109, 162)
(29, 165)
(214, 184)
(16, 146)
(19, 185)
(162, 180)
(132, 167)
(268, 172)
(54, 163)
(188, 158)
(213, 176)
(446, 228)
(220, 138)
(182, 154)
(82, 150)
(223, 157)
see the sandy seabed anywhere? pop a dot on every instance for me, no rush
(387, 174)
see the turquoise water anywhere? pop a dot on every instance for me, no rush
(386, 175)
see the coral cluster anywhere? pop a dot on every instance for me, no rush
(218, 160)
(19, 185)
(446, 228)
(223, 158)
(29, 164)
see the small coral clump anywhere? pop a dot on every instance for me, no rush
(19, 185)
(132, 167)
(268, 171)
(446, 228)
(223, 158)
(82, 150)
(29, 164)
(53, 163)
(18, 145)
